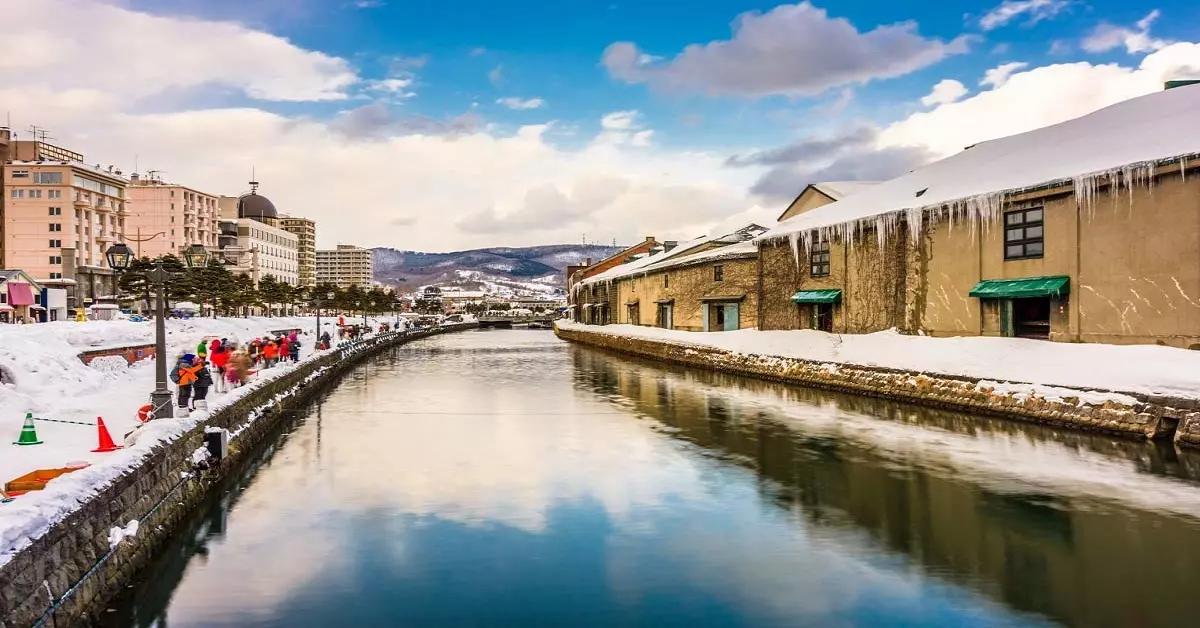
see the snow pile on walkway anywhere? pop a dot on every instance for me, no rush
(44, 375)
(1135, 369)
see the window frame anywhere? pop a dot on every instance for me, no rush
(1024, 224)
(819, 260)
(718, 272)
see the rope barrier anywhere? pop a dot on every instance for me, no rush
(39, 420)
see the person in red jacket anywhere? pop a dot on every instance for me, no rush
(218, 354)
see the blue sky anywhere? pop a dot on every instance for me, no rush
(448, 124)
(552, 50)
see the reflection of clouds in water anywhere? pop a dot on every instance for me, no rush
(504, 453)
(1001, 461)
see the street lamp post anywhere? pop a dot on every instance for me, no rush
(119, 258)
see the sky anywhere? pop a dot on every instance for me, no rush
(441, 125)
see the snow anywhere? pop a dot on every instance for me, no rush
(1120, 144)
(838, 190)
(1052, 367)
(43, 375)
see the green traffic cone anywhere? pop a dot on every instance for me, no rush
(28, 434)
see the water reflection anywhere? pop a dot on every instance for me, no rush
(504, 478)
(1081, 555)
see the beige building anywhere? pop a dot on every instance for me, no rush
(345, 266)
(305, 231)
(1095, 243)
(707, 284)
(59, 217)
(165, 218)
(259, 248)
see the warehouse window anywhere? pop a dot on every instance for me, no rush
(818, 259)
(1023, 234)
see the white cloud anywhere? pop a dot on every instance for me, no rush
(1038, 97)
(619, 120)
(1107, 36)
(1009, 10)
(623, 128)
(519, 104)
(946, 91)
(998, 75)
(369, 4)
(88, 49)
(430, 172)
(396, 87)
(792, 50)
(496, 75)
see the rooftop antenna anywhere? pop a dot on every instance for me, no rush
(39, 133)
(253, 182)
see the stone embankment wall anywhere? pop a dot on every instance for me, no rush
(72, 565)
(1147, 417)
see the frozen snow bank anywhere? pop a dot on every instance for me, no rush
(1130, 369)
(49, 380)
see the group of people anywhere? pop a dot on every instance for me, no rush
(233, 364)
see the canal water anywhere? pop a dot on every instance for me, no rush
(506, 478)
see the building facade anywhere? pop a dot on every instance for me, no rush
(165, 218)
(305, 231)
(59, 218)
(1103, 257)
(251, 243)
(345, 266)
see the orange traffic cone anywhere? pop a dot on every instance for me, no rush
(106, 441)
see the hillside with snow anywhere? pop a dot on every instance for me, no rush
(534, 268)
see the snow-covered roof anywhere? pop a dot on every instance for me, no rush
(630, 268)
(742, 249)
(1124, 141)
(837, 190)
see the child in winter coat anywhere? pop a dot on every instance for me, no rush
(202, 348)
(184, 376)
(294, 348)
(204, 380)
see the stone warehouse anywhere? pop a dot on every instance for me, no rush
(1086, 231)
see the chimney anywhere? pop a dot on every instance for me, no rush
(587, 262)
(670, 244)
(649, 238)
(133, 176)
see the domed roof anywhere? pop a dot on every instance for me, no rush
(256, 206)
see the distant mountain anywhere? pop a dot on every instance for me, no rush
(532, 266)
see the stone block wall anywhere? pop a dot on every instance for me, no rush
(1148, 418)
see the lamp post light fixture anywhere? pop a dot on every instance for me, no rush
(120, 258)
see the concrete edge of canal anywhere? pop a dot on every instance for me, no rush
(1149, 418)
(67, 576)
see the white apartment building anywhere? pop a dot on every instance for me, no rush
(345, 266)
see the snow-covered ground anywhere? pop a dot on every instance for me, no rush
(1139, 369)
(43, 375)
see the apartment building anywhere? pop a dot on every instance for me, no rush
(165, 218)
(305, 231)
(59, 217)
(256, 246)
(345, 266)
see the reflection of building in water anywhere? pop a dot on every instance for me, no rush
(1079, 563)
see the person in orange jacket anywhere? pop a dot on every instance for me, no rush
(184, 375)
(270, 352)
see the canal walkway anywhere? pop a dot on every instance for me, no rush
(511, 478)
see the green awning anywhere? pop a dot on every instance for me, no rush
(818, 296)
(1056, 286)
